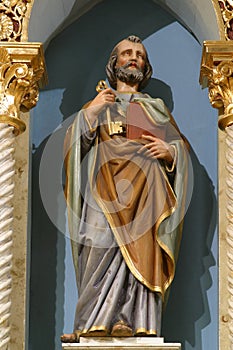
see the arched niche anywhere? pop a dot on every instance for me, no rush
(70, 86)
(48, 17)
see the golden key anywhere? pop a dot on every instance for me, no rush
(102, 85)
(113, 127)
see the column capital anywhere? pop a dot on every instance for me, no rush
(22, 72)
(217, 74)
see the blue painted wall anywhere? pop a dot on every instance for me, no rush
(75, 60)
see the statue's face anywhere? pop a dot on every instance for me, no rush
(131, 52)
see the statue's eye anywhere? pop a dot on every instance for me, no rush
(140, 55)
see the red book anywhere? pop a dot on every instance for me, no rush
(139, 123)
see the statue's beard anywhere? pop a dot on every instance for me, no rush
(127, 75)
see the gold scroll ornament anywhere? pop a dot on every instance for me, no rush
(217, 74)
(22, 72)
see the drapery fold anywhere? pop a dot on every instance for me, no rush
(123, 205)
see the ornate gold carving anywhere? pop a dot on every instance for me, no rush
(22, 69)
(219, 18)
(226, 7)
(217, 74)
(13, 13)
(6, 26)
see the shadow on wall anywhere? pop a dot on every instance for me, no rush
(75, 61)
(46, 320)
(187, 311)
(43, 269)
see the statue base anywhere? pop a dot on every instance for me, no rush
(131, 343)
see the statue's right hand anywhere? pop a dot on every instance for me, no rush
(103, 98)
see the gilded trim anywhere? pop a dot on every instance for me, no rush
(85, 331)
(14, 20)
(22, 71)
(17, 123)
(25, 23)
(93, 128)
(225, 121)
(90, 332)
(122, 247)
(128, 260)
(219, 18)
(125, 253)
(145, 331)
(172, 168)
(216, 73)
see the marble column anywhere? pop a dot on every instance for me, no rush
(22, 70)
(217, 75)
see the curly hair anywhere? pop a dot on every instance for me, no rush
(110, 67)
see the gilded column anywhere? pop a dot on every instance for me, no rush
(217, 75)
(22, 72)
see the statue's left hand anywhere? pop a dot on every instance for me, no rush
(157, 149)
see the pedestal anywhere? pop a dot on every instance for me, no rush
(110, 343)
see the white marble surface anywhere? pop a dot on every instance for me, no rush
(122, 340)
(109, 343)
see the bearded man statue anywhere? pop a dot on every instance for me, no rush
(126, 185)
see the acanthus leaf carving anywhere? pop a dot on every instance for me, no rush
(217, 74)
(12, 15)
(20, 74)
(220, 83)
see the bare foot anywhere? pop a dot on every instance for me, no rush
(120, 329)
(95, 333)
(69, 338)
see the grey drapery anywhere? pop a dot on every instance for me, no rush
(108, 290)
